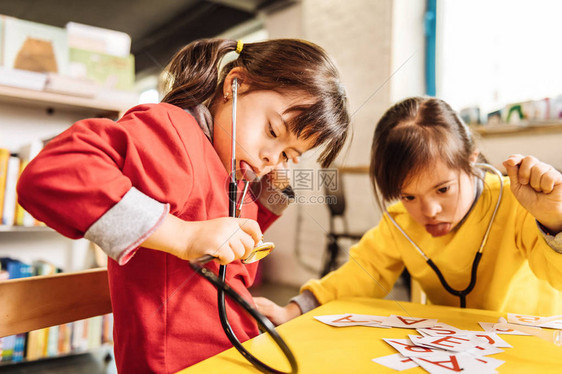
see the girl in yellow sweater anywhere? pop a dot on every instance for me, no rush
(469, 236)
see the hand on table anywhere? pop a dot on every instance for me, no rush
(275, 313)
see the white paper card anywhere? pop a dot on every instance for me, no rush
(499, 329)
(440, 329)
(407, 349)
(456, 343)
(492, 339)
(554, 322)
(408, 322)
(344, 320)
(459, 363)
(396, 362)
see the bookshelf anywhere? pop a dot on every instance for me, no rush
(102, 105)
(27, 115)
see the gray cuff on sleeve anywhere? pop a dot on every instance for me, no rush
(553, 241)
(127, 224)
(306, 301)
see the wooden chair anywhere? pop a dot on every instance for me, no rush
(28, 304)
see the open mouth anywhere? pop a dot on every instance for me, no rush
(438, 229)
(247, 172)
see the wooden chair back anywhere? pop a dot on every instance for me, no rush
(28, 304)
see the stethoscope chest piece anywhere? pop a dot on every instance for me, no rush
(259, 252)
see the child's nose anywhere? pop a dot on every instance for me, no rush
(430, 208)
(270, 159)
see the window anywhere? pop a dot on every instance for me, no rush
(494, 53)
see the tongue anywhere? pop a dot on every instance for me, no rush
(247, 172)
(439, 229)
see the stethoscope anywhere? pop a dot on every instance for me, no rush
(259, 252)
(460, 293)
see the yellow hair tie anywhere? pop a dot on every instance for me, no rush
(239, 46)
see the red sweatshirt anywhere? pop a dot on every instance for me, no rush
(166, 316)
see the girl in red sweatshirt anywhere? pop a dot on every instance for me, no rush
(151, 188)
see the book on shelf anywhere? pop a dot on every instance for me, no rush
(111, 72)
(72, 337)
(13, 347)
(12, 174)
(22, 78)
(26, 153)
(20, 212)
(34, 46)
(11, 212)
(40, 342)
(4, 159)
(97, 39)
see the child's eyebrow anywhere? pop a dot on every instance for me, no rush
(442, 183)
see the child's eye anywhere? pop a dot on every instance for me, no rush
(285, 157)
(271, 132)
(407, 197)
(443, 189)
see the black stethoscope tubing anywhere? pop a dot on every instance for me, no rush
(264, 323)
(461, 294)
(223, 288)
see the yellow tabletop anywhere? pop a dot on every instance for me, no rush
(320, 348)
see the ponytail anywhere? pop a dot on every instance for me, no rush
(191, 77)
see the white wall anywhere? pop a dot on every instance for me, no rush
(370, 42)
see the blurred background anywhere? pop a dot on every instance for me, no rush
(496, 62)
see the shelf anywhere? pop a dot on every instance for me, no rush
(523, 128)
(5, 228)
(105, 349)
(107, 104)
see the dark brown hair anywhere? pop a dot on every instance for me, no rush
(412, 134)
(281, 65)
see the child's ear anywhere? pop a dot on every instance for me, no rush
(474, 156)
(236, 73)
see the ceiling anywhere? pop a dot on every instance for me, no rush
(158, 28)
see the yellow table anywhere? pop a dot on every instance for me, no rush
(320, 348)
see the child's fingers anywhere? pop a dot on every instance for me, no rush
(548, 180)
(251, 228)
(539, 177)
(248, 243)
(525, 168)
(513, 160)
(226, 255)
(512, 167)
(528, 170)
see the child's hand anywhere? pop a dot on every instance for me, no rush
(538, 187)
(226, 238)
(276, 314)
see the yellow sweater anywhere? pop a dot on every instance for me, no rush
(518, 272)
